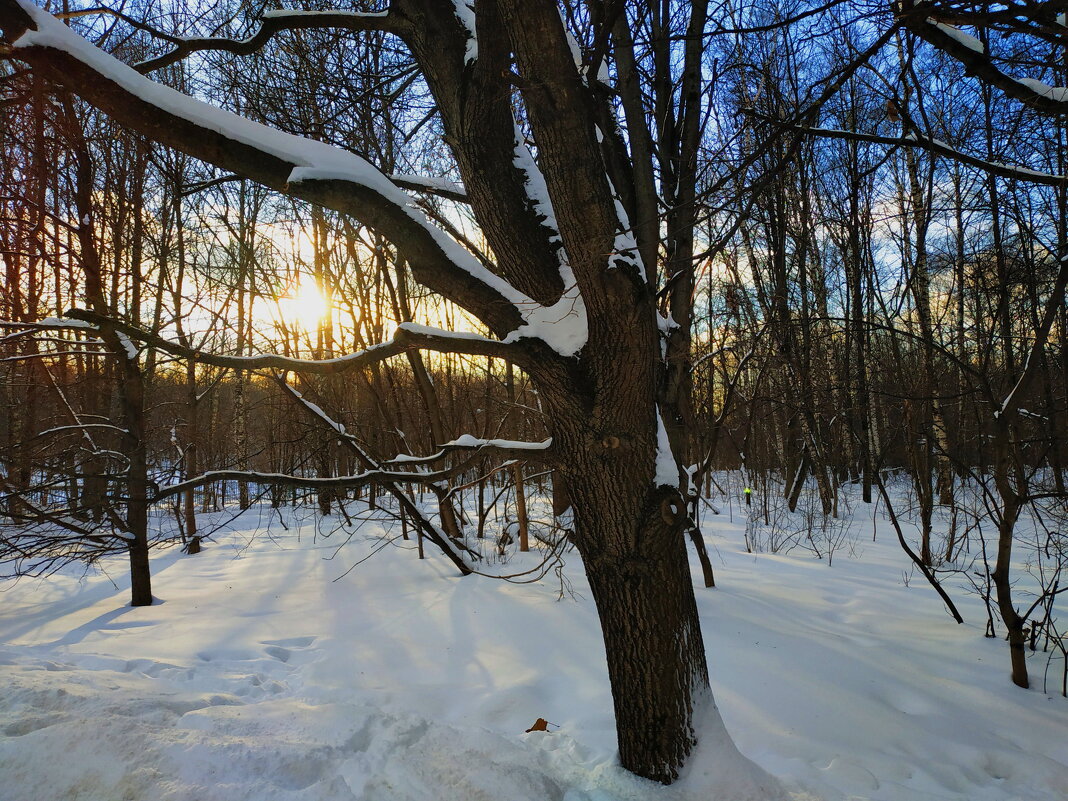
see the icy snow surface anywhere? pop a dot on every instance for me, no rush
(260, 677)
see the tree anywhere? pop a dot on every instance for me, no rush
(83, 493)
(567, 204)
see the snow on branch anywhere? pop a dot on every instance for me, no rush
(512, 449)
(305, 168)
(919, 18)
(408, 337)
(450, 190)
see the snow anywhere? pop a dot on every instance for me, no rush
(127, 345)
(562, 326)
(536, 188)
(465, 13)
(667, 471)
(429, 331)
(62, 322)
(269, 672)
(965, 39)
(431, 183)
(1057, 93)
(470, 441)
(317, 410)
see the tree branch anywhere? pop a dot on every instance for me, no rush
(308, 482)
(408, 336)
(274, 22)
(920, 19)
(508, 449)
(935, 146)
(304, 168)
(450, 549)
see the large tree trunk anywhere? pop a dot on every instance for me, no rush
(652, 637)
(629, 528)
(636, 563)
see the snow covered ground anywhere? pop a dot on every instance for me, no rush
(270, 672)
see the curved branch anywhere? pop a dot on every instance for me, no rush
(408, 336)
(274, 22)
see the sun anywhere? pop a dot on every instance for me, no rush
(303, 305)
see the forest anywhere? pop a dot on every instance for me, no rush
(545, 282)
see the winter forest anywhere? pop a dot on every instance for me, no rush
(589, 400)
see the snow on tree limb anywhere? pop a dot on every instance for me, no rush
(272, 22)
(304, 168)
(450, 190)
(407, 337)
(515, 449)
(924, 21)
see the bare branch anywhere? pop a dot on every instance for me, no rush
(935, 146)
(274, 22)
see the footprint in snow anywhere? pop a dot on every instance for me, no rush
(286, 649)
(279, 653)
(291, 642)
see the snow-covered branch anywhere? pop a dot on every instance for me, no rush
(920, 19)
(304, 168)
(509, 449)
(408, 337)
(450, 190)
